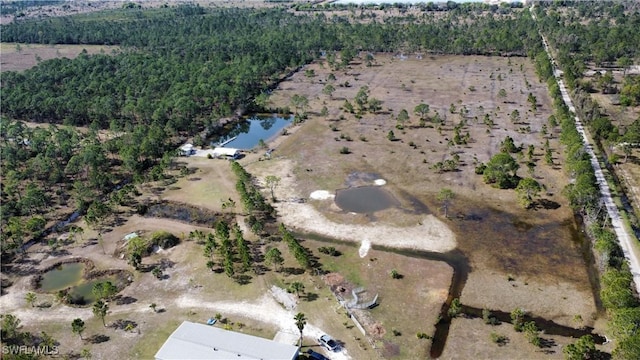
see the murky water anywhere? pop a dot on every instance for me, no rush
(70, 276)
(83, 293)
(365, 199)
(62, 277)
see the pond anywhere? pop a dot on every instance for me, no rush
(248, 133)
(365, 199)
(83, 293)
(62, 277)
(71, 277)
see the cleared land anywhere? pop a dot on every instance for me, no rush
(518, 258)
(18, 57)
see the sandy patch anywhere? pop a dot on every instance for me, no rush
(431, 234)
(364, 248)
(380, 182)
(284, 298)
(321, 195)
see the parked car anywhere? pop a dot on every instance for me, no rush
(316, 356)
(328, 343)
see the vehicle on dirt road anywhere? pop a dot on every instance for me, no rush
(328, 343)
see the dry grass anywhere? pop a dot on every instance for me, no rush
(18, 57)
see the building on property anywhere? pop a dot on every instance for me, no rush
(229, 153)
(187, 150)
(198, 341)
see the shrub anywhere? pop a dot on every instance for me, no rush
(395, 274)
(455, 308)
(164, 239)
(329, 250)
(501, 340)
(345, 150)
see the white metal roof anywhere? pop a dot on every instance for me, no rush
(225, 151)
(198, 341)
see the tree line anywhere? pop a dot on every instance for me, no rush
(616, 284)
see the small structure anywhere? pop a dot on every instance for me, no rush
(228, 153)
(187, 150)
(130, 236)
(199, 341)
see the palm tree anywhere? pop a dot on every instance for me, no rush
(301, 321)
(30, 298)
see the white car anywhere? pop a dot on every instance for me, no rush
(328, 343)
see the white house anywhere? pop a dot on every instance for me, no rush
(198, 341)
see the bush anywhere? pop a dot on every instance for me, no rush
(345, 150)
(499, 339)
(329, 250)
(455, 308)
(395, 274)
(164, 239)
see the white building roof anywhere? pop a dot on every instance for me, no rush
(225, 151)
(198, 341)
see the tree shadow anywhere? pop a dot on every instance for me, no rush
(547, 343)
(97, 339)
(292, 271)
(124, 300)
(122, 324)
(260, 269)
(243, 279)
(545, 204)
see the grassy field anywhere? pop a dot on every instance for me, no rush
(18, 57)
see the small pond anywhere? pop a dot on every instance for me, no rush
(74, 279)
(83, 293)
(365, 199)
(62, 277)
(248, 133)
